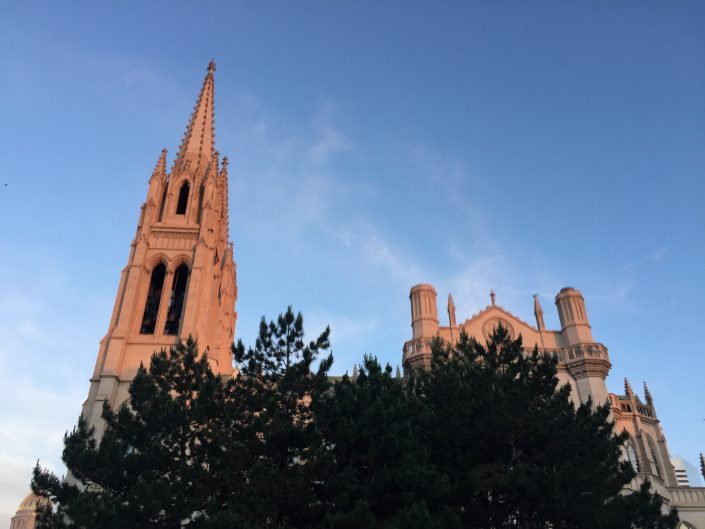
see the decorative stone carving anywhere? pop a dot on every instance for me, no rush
(492, 323)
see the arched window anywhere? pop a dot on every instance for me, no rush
(654, 460)
(630, 454)
(183, 199)
(154, 294)
(176, 300)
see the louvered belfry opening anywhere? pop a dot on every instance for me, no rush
(176, 300)
(154, 295)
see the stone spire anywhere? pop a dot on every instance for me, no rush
(702, 464)
(451, 311)
(628, 391)
(160, 168)
(538, 312)
(198, 144)
(181, 277)
(647, 396)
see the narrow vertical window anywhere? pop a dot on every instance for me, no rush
(161, 207)
(154, 294)
(176, 300)
(200, 203)
(631, 456)
(183, 199)
(654, 460)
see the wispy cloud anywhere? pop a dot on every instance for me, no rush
(381, 253)
(42, 371)
(619, 287)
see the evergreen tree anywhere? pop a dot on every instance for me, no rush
(277, 383)
(515, 450)
(192, 450)
(485, 439)
(378, 472)
(151, 467)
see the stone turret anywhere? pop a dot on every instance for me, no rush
(587, 362)
(424, 311)
(424, 326)
(574, 321)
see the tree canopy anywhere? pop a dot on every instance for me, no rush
(485, 439)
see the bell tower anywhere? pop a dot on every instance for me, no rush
(180, 276)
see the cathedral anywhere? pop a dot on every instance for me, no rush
(180, 280)
(583, 364)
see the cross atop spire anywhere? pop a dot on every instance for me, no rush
(198, 144)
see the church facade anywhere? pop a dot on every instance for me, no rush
(583, 364)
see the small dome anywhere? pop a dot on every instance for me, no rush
(30, 502)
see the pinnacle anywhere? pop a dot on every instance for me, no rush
(160, 168)
(647, 395)
(199, 140)
(538, 313)
(628, 388)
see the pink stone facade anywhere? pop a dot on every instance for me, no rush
(180, 276)
(583, 363)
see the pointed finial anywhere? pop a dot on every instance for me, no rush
(492, 297)
(354, 373)
(628, 388)
(647, 396)
(160, 168)
(538, 313)
(702, 465)
(451, 311)
(199, 139)
(398, 374)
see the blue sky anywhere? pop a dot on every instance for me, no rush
(473, 145)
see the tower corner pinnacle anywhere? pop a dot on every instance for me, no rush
(160, 167)
(647, 396)
(628, 391)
